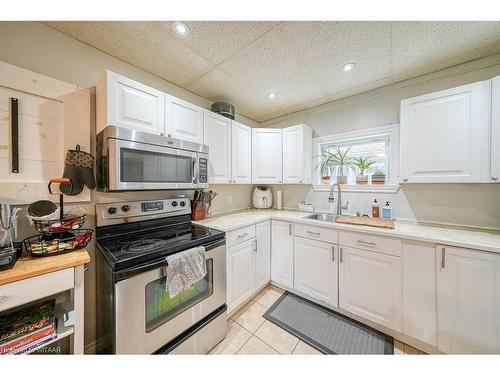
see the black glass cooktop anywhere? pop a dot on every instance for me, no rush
(127, 245)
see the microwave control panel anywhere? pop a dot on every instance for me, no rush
(203, 179)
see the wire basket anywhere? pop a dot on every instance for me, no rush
(59, 225)
(55, 243)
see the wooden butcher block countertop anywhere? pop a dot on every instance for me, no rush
(28, 266)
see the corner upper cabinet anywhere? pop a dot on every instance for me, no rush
(297, 154)
(241, 153)
(267, 156)
(184, 120)
(217, 135)
(129, 104)
(444, 135)
(495, 130)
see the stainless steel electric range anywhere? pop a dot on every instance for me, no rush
(135, 315)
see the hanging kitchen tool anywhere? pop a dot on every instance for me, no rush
(79, 167)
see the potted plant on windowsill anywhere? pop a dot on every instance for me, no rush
(341, 163)
(363, 164)
(378, 178)
(325, 166)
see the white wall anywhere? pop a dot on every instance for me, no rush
(476, 205)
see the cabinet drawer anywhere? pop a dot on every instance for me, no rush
(379, 244)
(316, 233)
(24, 291)
(239, 235)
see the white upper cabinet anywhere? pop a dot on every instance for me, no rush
(444, 135)
(129, 104)
(241, 153)
(297, 154)
(495, 130)
(267, 156)
(184, 120)
(217, 135)
(370, 286)
(315, 269)
(468, 291)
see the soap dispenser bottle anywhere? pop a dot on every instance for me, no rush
(387, 211)
(375, 209)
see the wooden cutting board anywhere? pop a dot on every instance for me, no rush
(368, 221)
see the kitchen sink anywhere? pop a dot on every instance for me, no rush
(322, 217)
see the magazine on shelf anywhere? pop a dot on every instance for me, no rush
(21, 323)
(27, 340)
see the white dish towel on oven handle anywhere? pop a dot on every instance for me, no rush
(184, 270)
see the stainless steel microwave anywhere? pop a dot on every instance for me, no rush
(132, 160)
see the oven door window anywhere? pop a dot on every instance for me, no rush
(161, 308)
(154, 167)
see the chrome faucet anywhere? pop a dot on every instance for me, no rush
(331, 199)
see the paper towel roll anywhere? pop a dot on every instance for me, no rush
(279, 200)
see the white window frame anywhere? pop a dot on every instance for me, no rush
(392, 185)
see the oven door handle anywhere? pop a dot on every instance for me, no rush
(129, 272)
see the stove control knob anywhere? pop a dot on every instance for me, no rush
(174, 204)
(183, 204)
(112, 210)
(126, 208)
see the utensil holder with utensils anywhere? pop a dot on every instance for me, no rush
(200, 205)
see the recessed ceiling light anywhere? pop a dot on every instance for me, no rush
(348, 67)
(272, 95)
(180, 28)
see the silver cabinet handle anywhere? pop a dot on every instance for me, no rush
(494, 178)
(443, 257)
(242, 235)
(255, 246)
(290, 229)
(405, 180)
(367, 243)
(315, 233)
(341, 258)
(3, 298)
(333, 253)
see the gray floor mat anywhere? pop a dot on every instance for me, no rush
(327, 330)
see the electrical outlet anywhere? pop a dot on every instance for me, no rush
(229, 199)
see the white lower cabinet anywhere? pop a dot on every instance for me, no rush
(468, 297)
(370, 286)
(315, 269)
(240, 273)
(282, 253)
(419, 291)
(262, 254)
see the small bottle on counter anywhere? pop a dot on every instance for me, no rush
(387, 211)
(375, 208)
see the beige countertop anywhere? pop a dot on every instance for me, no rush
(460, 237)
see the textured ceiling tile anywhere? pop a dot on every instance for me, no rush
(216, 41)
(142, 44)
(219, 85)
(325, 47)
(423, 47)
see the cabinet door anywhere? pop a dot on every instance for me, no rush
(240, 273)
(297, 154)
(370, 286)
(443, 135)
(282, 253)
(495, 130)
(263, 254)
(132, 105)
(419, 291)
(316, 269)
(241, 154)
(468, 284)
(184, 120)
(267, 156)
(217, 135)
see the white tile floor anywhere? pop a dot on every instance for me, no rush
(249, 333)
